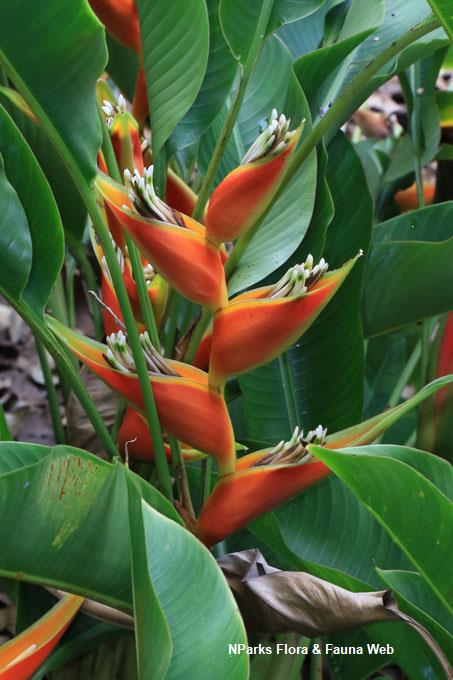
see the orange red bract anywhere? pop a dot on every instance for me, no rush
(254, 328)
(22, 656)
(187, 406)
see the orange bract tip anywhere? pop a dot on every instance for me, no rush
(252, 331)
(187, 407)
(21, 656)
(242, 496)
(243, 195)
(182, 254)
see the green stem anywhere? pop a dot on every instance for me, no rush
(230, 121)
(333, 119)
(70, 301)
(108, 152)
(289, 391)
(404, 378)
(205, 482)
(172, 323)
(84, 263)
(142, 289)
(197, 334)
(122, 404)
(181, 475)
(416, 131)
(316, 662)
(57, 302)
(187, 318)
(405, 375)
(134, 341)
(52, 397)
(5, 434)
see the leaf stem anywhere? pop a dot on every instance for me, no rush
(142, 289)
(84, 263)
(52, 397)
(197, 334)
(181, 475)
(172, 323)
(416, 131)
(288, 391)
(230, 121)
(316, 662)
(205, 482)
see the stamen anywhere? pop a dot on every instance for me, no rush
(140, 189)
(111, 110)
(119, 355)
(299, 279)
(273, 139)
(294, 452)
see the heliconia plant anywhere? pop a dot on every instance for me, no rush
(203, 219)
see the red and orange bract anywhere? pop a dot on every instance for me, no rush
(187, 407)
(134, 434)
(246, 191)
(182, 254)
(252, 329)
(22, 656)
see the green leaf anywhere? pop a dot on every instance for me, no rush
(57, 75)
(322, 72)
(122, 66)
(417, 600)
(220, 72)
(200, 610)
(15, 239)
(444, 10)
(175, 43)
(34, 256)
(75, 507)
(70, 206)
(5, 434)
(408, 275)
(414, 512)
(428, 135)
(305, 35)
(152, 635)
(344, 546)
(239, 20)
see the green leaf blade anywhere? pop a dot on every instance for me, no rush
(175, 40)
(421, 527)
(57, 76)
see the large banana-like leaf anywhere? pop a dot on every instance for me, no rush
(57, 75)
(175, 43)
(31, 232)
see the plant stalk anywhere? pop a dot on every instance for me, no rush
(416, 132)
(197, 334)
(289, 391)
(52, 397)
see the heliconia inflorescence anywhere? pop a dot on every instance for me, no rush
(249, 330)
